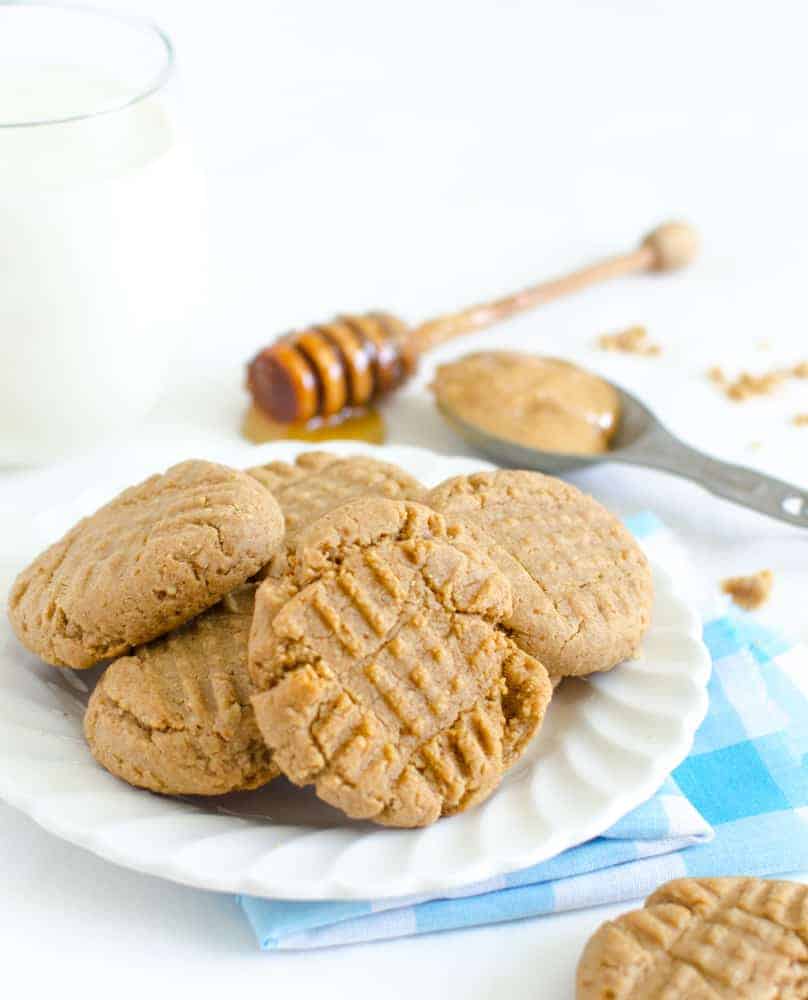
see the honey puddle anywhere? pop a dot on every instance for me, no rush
(355, 425)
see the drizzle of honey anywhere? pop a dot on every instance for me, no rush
(359, 424)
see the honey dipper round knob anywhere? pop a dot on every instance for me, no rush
(674, 245)
(334, 368)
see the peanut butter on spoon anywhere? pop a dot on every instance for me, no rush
(540, 402)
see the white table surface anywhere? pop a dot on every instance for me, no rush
(417, 157)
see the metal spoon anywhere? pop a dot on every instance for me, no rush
(641, 439)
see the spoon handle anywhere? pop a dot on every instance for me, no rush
(659, 449)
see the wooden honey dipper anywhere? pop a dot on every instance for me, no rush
(336, 367)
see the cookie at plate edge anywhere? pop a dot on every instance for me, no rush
(582, 586)
(175, 715)
(151, 559)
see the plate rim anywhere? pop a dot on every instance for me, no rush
(45, 812)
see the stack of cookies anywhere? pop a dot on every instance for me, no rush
(333, 621)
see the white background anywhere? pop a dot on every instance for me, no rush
(417, 157)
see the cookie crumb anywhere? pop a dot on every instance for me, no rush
(754, 446)
(750, 592)
(800, 420)
(633, 340)
(746, 385)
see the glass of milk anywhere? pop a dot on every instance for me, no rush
(102, 242)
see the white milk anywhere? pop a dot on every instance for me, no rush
(102, 260)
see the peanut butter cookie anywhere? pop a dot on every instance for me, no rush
(175, 716)
(582, 589)
(703, 939)
(318, 482)
(154, 557)
(385, 681)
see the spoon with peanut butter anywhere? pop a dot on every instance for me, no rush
(533, 412)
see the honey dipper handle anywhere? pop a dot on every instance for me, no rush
(668, 247)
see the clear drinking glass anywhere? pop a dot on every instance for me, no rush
(102, 241)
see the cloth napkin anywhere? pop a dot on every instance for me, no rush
(738, 804)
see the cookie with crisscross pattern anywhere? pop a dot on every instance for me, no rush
(318, 481)
(582, 588)
(175, 715)
(154, 557)
(385, 679)
(703, 939)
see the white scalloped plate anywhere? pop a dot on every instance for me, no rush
(607, 745)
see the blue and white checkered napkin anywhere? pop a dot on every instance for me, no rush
(737, 805)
